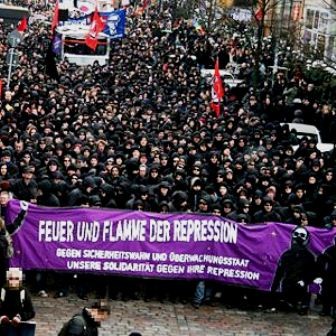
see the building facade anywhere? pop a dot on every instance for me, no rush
(319, 27)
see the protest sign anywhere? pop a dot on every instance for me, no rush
(136, 243)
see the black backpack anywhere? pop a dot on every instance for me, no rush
(76, 326)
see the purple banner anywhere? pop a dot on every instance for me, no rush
(133, 243)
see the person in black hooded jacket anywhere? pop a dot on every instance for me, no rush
(326, 263)
(296, 270)
(87, 321)
(15, 304)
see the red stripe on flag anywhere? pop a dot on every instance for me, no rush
(258, 14)
(217, 90)
(54, 22)
(22, 25)
(97, 26)
(218, 85)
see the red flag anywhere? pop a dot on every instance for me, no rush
(296, 12)
(99, 22)
(55, 19)
(97, 26)
(217, 90)
(259, 14)
(91, 42)
(22, 25)
(217, 84)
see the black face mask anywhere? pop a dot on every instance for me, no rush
(298, 241)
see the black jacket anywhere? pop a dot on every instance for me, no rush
(4, 261)
(296, 264)
(23, 191)
(15, 303)
(327, 266)
(84, 326)
(263, 217)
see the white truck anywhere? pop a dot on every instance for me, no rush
(74, 49)
(73, 31)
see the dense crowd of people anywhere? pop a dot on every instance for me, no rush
(139, 132)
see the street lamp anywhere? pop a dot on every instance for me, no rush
(12, 58)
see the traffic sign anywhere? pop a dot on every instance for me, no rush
(14, 38)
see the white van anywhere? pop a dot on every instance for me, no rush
(311, 132)
(227, 77)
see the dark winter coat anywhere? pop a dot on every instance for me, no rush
(296, 264)
(4, 261)
(15, 303)
(327, 271)
(23, 191)
(84, 326)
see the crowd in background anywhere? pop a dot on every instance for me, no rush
(139, 132)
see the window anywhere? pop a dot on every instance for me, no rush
(309, 19)
(323, 24)
(78, 47)
(316, 21)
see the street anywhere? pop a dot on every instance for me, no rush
(167, 319)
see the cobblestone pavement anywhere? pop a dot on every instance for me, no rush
(168, 319)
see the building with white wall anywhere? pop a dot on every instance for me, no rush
(319, 27)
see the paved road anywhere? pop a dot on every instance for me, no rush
(167, 319)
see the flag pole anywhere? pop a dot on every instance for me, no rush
(219, 98)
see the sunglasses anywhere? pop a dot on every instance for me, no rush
(299, 234)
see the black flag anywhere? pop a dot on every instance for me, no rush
(50, 63)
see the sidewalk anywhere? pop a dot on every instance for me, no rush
(167, 319)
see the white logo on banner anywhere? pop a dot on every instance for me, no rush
(112, 23)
